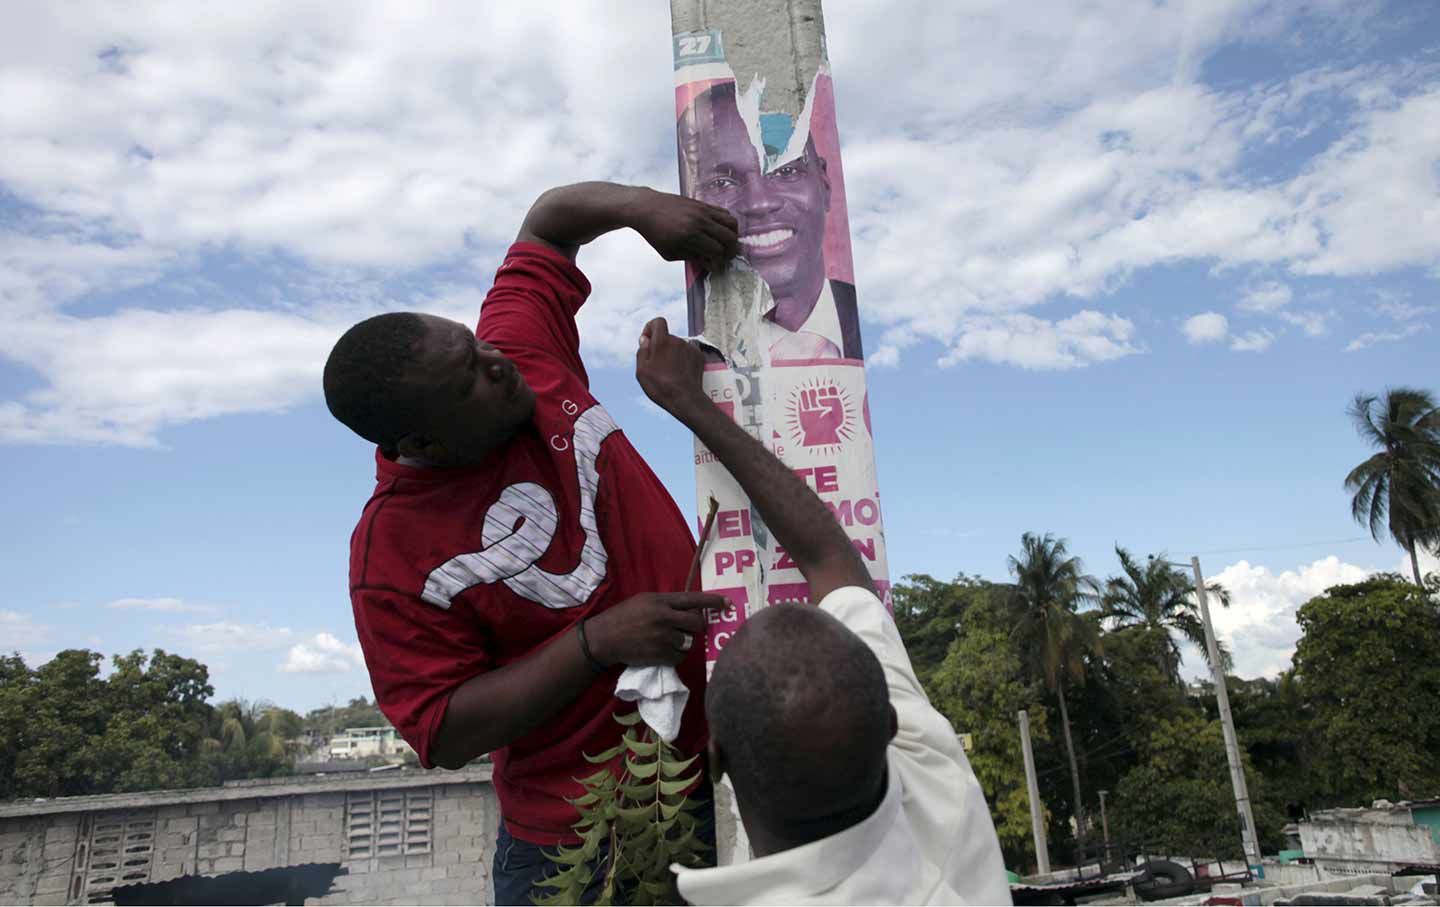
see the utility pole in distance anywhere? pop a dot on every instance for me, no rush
(1249, 841)
(1037, 817)
(1105, 823)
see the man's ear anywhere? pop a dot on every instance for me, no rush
(894, 723)
(716, 756)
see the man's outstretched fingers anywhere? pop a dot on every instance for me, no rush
(647, 335)
(724, 216)
(690, 601)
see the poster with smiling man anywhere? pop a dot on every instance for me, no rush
(755, 129)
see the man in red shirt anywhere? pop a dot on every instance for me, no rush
(517, 553)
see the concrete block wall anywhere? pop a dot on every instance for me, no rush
(212, 837)
(464, 822)
(36, 856)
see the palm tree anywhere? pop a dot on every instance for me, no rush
(1054, 637)
(1160, 599)
(1398, 489)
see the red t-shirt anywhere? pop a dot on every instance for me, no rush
(448, 581)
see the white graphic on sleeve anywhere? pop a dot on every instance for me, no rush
(519, 528)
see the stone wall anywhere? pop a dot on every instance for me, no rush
(1358, 841)
(401, 837)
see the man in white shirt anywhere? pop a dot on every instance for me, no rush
(852, 788)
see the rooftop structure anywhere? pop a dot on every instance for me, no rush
(399, 836)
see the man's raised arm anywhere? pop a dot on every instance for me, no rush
(669, 370)
(568, 217)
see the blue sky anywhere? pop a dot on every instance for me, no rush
(1121, 271)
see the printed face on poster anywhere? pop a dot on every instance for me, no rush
(780, 175)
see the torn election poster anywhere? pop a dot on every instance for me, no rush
(756, 134)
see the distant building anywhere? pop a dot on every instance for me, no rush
(1387, 837)
(362, 742)
(388, 837)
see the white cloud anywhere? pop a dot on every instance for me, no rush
(1256, 341)
(1399, 308)
(887, 356)
(1429, 563)
(1080, 149)
(649, 406)
(1207, 327)
(226, 636)
(1374, 192)
(1370, 338)
(1082, 339)
(170, 605)
(1259, 626)
(121, 378)
(19, 630)
(1266, 297)
(323, 654)
(1313, 324)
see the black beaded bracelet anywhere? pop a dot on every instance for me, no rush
(595, 664)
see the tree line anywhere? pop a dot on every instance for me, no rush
(66, 731)
(1352, 720)
(1097, 664)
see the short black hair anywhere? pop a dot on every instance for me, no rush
(800, 709)
(364, 372)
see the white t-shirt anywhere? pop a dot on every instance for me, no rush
(930, 842)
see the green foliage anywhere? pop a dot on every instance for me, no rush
(634, 823)
(1397, 490)
(929, 614)
(980, 687)
(1179, 797)
(332, 719)
(282, 723)
(1050, 589)
(1368, 665)
(1274, 722)
(1055, 639)
(1160, 598)
(248, 740)
(65, 731)
(1136, 680)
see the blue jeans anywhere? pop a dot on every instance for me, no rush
(519, 865)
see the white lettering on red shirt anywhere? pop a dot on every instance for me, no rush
(519, 528)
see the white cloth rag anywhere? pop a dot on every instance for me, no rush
(661, 694)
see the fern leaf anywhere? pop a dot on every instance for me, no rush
(595, 779)
(603, 757)
(671, 768)
(641, 769)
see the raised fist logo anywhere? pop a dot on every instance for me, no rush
(821, 415)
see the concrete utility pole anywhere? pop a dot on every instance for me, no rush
(1105, 823)
(1249, 841)
(1037, 817)
(756, 135)
(756, 130)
